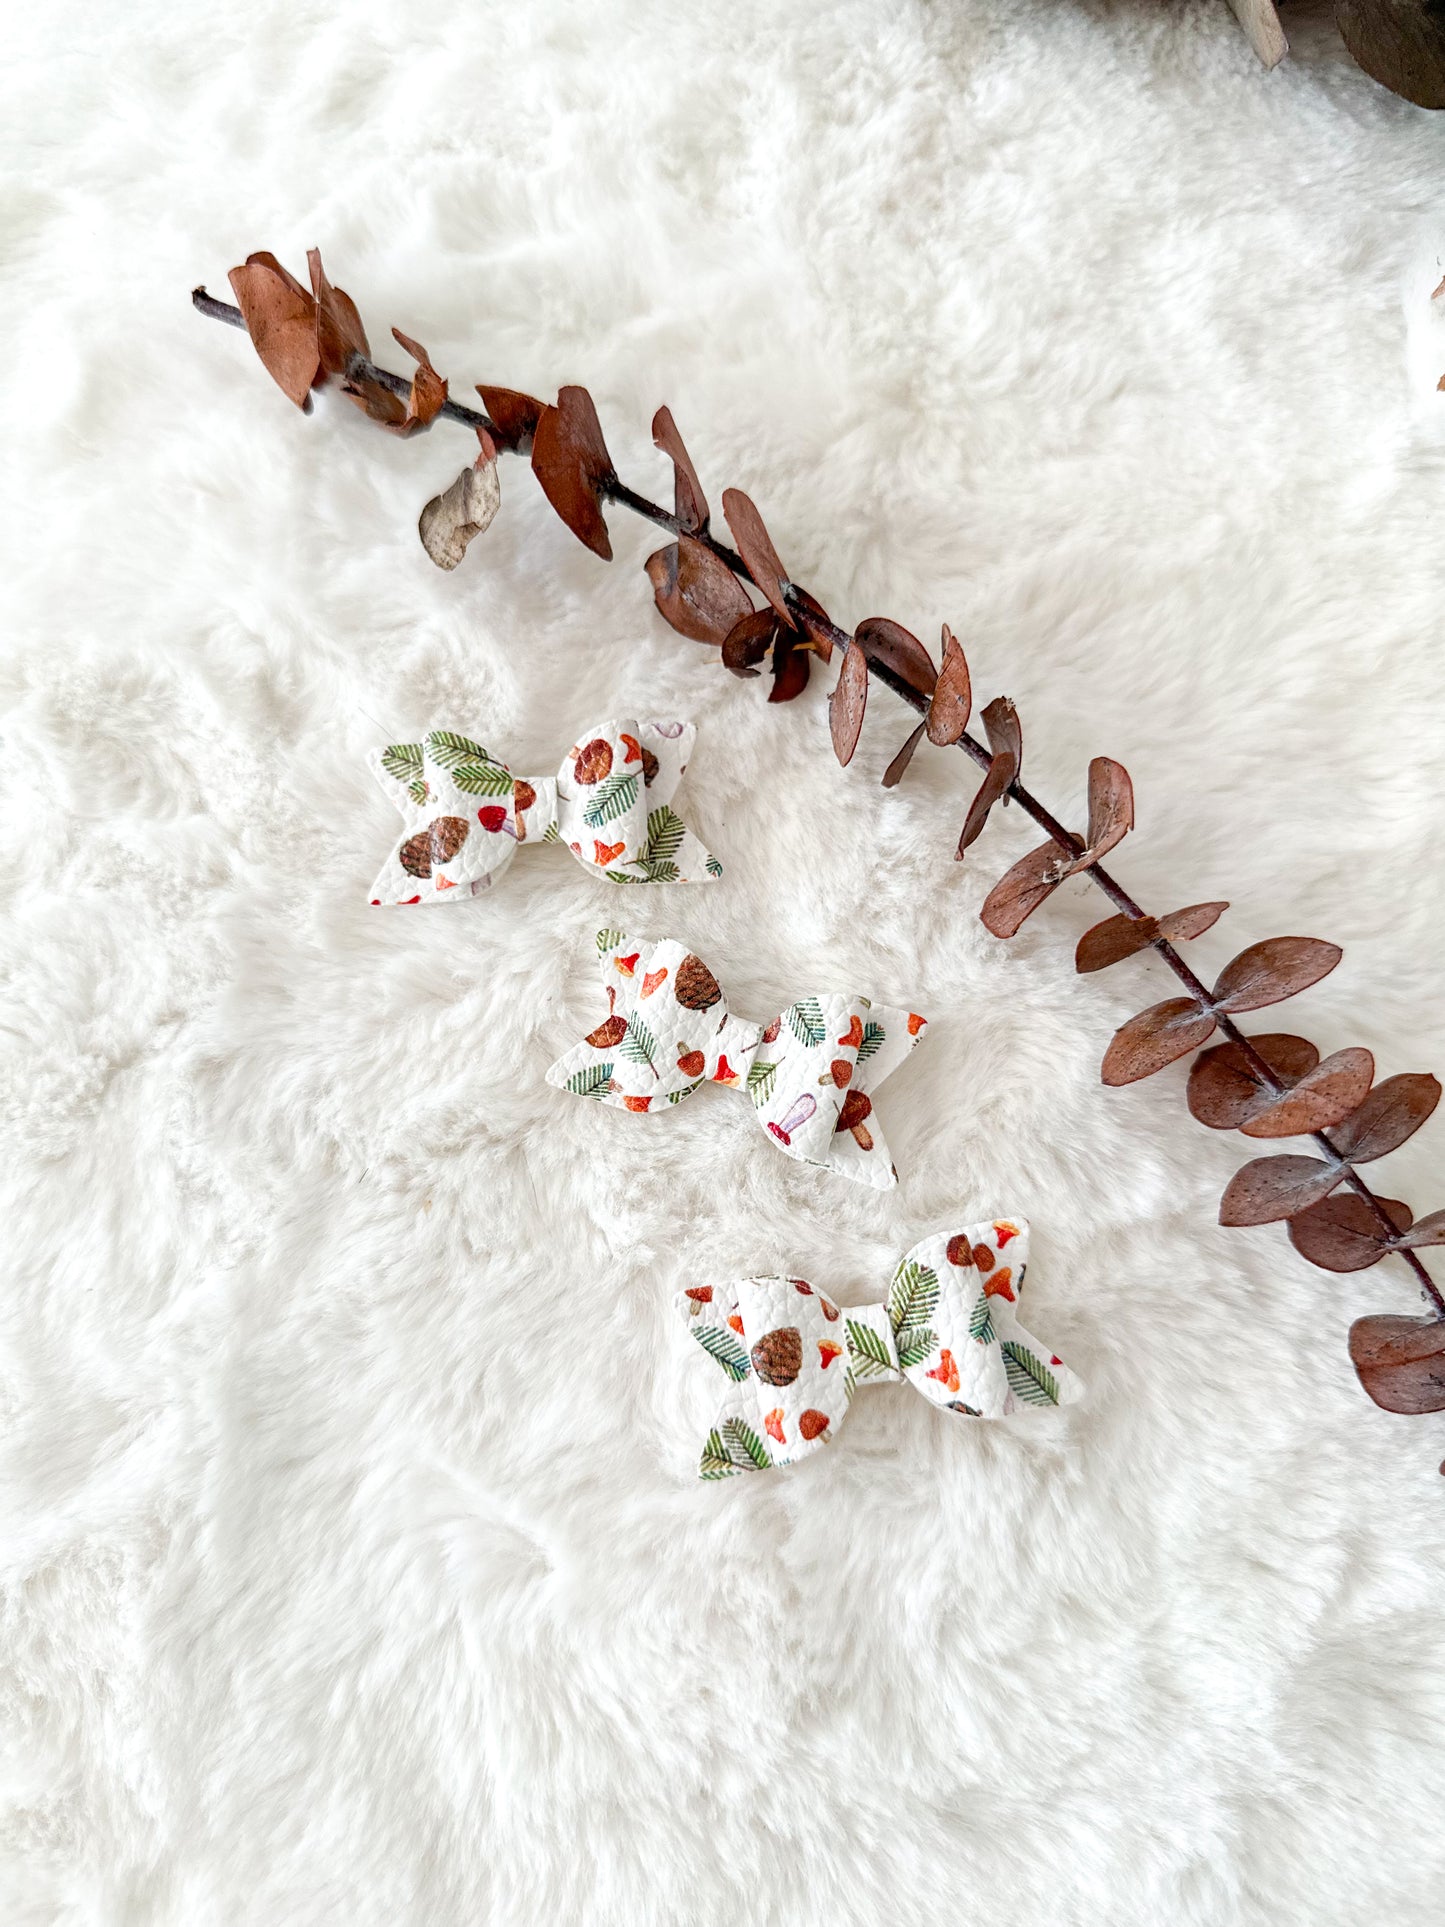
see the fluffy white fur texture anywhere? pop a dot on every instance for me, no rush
(353, 1567)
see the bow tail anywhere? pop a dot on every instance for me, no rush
(860, 1146)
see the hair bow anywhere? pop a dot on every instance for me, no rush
(795, 1359)
(810, 1073)
(466, 814)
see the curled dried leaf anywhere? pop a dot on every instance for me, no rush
(1342, 1233)
(1020, 891)
(570, 460)
(514, 417)
(1181, 926)
(1392, 1112)
(792, 666)
(280, 318)
(1155, 1038)
(1004, 730)
(1429, 1230)
(814, 621)
(428, 390)
(689, 502)
(1322, 1098)
(756, 548)
(1223, 1087)
(847, 703)
(1401, 1362)
(952, 703)
(452, 520)
(894, 773)
(890, 644)
(1268, 972)
(748, 641)
(339, 333)
(1267, 1189)
(996, 779)
(697, 592)
(1113, 940)
(1111, 809)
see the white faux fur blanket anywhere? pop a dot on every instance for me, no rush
(352, 1569)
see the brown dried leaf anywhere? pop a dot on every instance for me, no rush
(1401, 1362)
(1004, 730)
(1429, 1230)
(952, 703)
(570, 460)
(1020, 891)
(453, 519)
(376, 401)
(996, 779)
(514, 416)
(1113, 940)
(814, 621)
(1268, 972)
(792, 666)
(847, 703)
(1223, 1088)
(1343, 1234)
(748, 641)
(893, 775)
(1111, 809)
(697, 592)
(1398, 43)
(339, 333)
(1267, 1189)
(1322, 1098)
(280, 317)
(1392, 1112)
(1180, 926)
(428, 390)
(1155, 1038)
(689, 502)
(756, 548)
(889, 643)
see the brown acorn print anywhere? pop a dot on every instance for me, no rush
(960, 1252)
(855, 1108)
(448, 834)
(594, 761)
(692, 1063)
(694, 986)
(811, 1423)
(649, 768)
(778, 1355)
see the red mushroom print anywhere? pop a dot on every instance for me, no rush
(700, 1294)
(724, 1074)
(1000, 1284)
(636, 1103)
(736, 1323)
(773, 1425)
(827, 1352)
(654, 980)
(605, 853)
(839, 1073)
(946, 1372)
(627, 966)
(493, 819)
(856, 1107)
(1003, 1231)
(812, 1423)
(632, 746)
(853, 1036)
(692, 1063)
(444, 883)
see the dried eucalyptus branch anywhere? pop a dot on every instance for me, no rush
(1268, 1086)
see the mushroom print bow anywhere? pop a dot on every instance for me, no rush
(466, 815)
(794, 1359)
(810, 1073)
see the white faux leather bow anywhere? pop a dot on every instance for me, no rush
(466, 815)
(810, 1073)
(794, 1359)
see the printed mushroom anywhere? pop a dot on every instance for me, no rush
(856, 1107)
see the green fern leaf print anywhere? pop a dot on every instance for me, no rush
(719, 1343)
(1029, 1379)
(613, 797)
(980, 1322)
(805, 1020)
(715, 1463)
(742, 1438)
(913, 1296)
(591, 1082)
(761, 1079)
(873, 1035)
(869, 1357)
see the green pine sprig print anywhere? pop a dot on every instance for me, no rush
(445, 747)
(714, 868)
(482, 779)
(873, 1035)
(867, 1353)
(916, 1345)
(1029, 1379)
(638, 1045)
(665, 831)
(723, 1345)
(913, 1295)
(590, 1082)
(614, 796)
(405, 764)
(980, 1321)
(742, 1439)
(805, 1020)
(676, 1097)
(610, 940)
(715, 1463)
(551, 834)
(761, 1079)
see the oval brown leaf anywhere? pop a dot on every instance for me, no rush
(1429, 1230)
(1180, 926)
(887, 642)
(1223, 1087)
(755, 546)
(1323, 1097)
(893, 775)
(1399, 43)
(697, 592)
(689, 502)
(1343, 1234)
(1112, 940)
(791, 668)
(952, 703)
(280, 317)
(748, 641)
(813, 619)
(847, 703)
(1020, 891)
(1269, 972)
(1401, 1362)
(996, 779)
(1004, 730)
(570, 460)
(1155, 1038)
(1267, 1189)
(1392, 1112)
(339, 333)
(1111, 809)
(514, 416)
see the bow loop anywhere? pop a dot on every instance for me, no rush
(808, 1073)
(949, 1327)
(610, 803)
